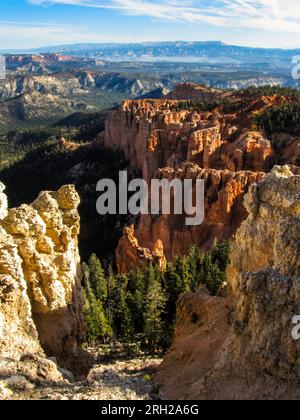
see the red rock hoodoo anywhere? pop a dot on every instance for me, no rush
(172, 138)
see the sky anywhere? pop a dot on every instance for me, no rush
(258, 23)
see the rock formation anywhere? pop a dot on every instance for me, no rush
(3, 202)
(243, 346)
(169, 138)
(224, 211)
(194, 91)
(40, 290)
(133, 254)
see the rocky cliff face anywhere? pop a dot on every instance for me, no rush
(130, 254)
(40, 292)
(242, 346)
(224, 212)
(30, 98)
(194, 91)
(171, 139)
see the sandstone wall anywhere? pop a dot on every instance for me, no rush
(241, 346)
(40, 292)
(162, 140)
(265, 277)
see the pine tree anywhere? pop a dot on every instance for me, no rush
(123, 322)
(126, 326)
(85, 274)
(155, 304)
(193, 262)
(221, 254)
(174, 287)
(97, 278)
(136, 298)
(112, 296)
(94, 314)
(207, 270)
(217, 279)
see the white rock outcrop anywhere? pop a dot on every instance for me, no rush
(40, 285)
(3, 202)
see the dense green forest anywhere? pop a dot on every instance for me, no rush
(256, 92)
(16, 145)
(140, 307)
(284, 119)
(232, 103)
(83, 127)
(228, 104)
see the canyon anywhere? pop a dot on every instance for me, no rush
(172, 139)
(45, 88)
(236, 345)
(221, 344)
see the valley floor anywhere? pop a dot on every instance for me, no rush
(114, 380)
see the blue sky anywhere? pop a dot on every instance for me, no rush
(262, 23)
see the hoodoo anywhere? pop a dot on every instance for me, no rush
(40, 287)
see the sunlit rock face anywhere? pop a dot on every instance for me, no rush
(40, 276)
(245, 344)
(264, 276)
(167, 138)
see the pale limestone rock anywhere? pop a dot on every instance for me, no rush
(17, 383)
(18, 332)
(272, 230)
(5, 393)
(40, 291)
(3, 202)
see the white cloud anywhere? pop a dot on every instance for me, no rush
(270, 15)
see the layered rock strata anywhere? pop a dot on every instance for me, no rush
(246, 345)
(169, 138)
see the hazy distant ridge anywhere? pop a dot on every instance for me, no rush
(208, 52)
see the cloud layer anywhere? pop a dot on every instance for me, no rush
(271, 15)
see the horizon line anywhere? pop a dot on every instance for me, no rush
(73, 44)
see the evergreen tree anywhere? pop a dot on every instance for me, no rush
(95, 319)
(221, 254)
(155, 304)
(213, 267)
(123, 320)
(85, 274)
(97, 278)
(174, 287)
(285, 118)
(136, 298)
(207, 270)
(185, 274)
(217, 279)
(193, 263)
(112, 296)
(144, 301)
